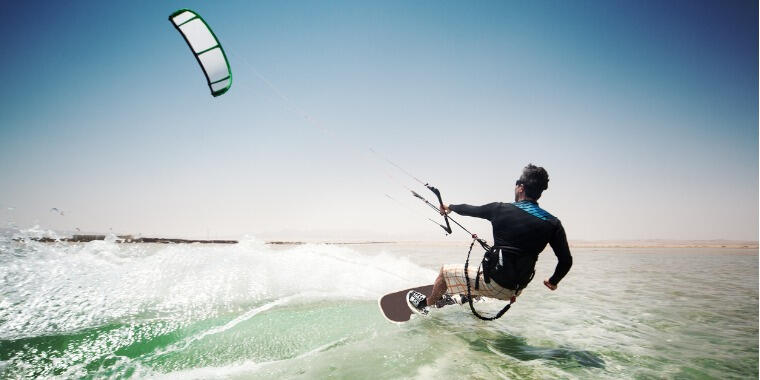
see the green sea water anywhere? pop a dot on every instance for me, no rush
(250, 311)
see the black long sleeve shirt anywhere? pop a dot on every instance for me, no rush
(527, 227)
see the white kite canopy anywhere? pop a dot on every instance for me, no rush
(206, 48)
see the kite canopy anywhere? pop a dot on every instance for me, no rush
(206, 48)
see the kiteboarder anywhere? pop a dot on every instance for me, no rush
(521, 230)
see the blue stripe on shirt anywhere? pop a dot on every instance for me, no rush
(533, 209)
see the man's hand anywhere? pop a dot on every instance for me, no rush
(445, 209)
(550, 285)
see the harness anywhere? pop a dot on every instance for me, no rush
(492, 263)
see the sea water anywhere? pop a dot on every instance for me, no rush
(258, 311)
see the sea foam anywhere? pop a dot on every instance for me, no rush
(62, 287)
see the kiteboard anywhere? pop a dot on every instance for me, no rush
(394, 306)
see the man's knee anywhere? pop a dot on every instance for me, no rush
(441, 278)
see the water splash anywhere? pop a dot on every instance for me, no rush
(55, 288)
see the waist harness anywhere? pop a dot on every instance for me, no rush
(509, 267)
(505, 263)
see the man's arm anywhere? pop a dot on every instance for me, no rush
(564, 260)
(485, 211)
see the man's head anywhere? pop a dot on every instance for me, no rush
(532, 182)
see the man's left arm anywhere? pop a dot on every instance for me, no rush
(564, 259)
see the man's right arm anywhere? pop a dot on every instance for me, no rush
(485, 211)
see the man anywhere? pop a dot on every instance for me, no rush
(521, 231)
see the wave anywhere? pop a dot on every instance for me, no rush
(50, 288)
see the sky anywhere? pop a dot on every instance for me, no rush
(645, 115)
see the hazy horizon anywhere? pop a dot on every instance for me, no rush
(644, 114)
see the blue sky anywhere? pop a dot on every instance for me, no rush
(644, 113)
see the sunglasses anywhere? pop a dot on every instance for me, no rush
(518, 183)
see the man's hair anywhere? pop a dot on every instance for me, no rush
(535, 179)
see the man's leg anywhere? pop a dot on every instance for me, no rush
(439, 287)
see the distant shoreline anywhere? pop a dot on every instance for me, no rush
(128, 239)
(717, 244)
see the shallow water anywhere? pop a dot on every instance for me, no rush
(250, 310)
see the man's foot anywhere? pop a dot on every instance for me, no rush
(456, 299)
(449, 300)
(417, 302)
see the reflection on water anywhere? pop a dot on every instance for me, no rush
(516, 347)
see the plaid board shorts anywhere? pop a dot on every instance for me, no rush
(453, 274)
